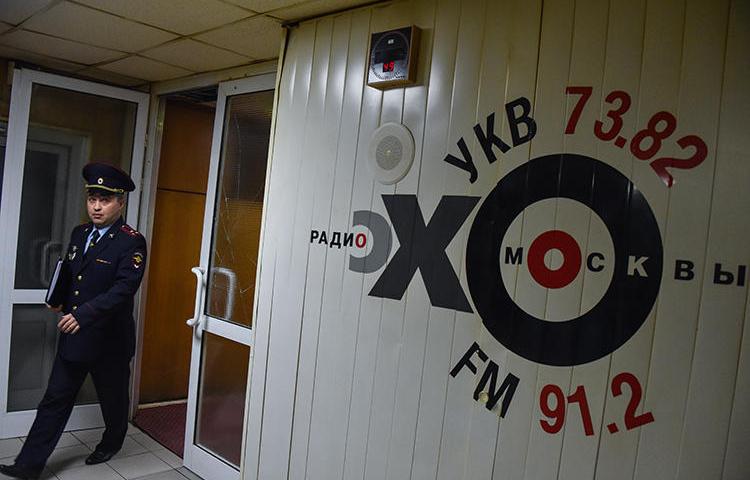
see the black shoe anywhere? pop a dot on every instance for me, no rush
(100, 456)
(17, 471)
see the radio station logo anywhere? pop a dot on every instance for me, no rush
(605, 235)
(564, 257)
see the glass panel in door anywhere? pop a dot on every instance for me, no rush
(67, 130)
(221, 398)
(239, 205)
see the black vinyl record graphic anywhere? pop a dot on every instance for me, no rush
(627, 301)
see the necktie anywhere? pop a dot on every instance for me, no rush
(94, 238)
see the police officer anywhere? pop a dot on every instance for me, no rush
(101, 273)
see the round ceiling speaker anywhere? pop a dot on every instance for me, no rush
(391, 152)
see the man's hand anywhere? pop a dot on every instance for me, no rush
(68, 324)
(54, 309)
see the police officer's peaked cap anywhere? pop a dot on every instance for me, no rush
(100, 176)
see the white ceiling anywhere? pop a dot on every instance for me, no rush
(132, 42)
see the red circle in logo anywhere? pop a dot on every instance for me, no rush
(568, 271)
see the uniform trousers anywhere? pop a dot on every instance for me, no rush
(111, 378)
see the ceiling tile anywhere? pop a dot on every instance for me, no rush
(195, 56)
(58, 48)
(145, 68)
(261, 6)
(16, 11)
(315, 8)
(181, 17)
(258, 37)
(94, 73)
(83, 24)
(37, 59)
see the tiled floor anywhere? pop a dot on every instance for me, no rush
(141, 458)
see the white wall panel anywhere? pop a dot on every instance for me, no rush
(721, 312)
(438, 323)
(454, 459)
(672, 353)
(592, 45)
(658, 62)
(735, 103)
(358, 387)
(337, 340)
(289, 245)
(519, 67)
(388, 345)
(316, 210)
(498, 76)
(407, 401)
(557, 33)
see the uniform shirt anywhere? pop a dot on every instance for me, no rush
(101, 231)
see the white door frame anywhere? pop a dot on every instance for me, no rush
(86, 416)
(197, 459)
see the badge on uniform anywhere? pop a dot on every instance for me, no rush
(137, 259)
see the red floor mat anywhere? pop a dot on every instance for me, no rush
(165, 424)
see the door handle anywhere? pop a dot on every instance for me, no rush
(200, 284)
(231, 289)
(44, 264)
(44, 274)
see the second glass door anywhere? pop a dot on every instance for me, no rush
(225, 297)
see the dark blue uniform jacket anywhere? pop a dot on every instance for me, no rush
(98, 290)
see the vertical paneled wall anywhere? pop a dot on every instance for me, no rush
(634, 154)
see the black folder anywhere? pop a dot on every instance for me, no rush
(56, 291)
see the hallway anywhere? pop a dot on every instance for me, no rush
(141, 458)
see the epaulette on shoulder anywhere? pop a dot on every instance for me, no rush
(129, 230)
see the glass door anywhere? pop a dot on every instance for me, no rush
(225, 297)
(56, 126)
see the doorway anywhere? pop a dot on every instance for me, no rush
(210, 193)
(175, 247)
